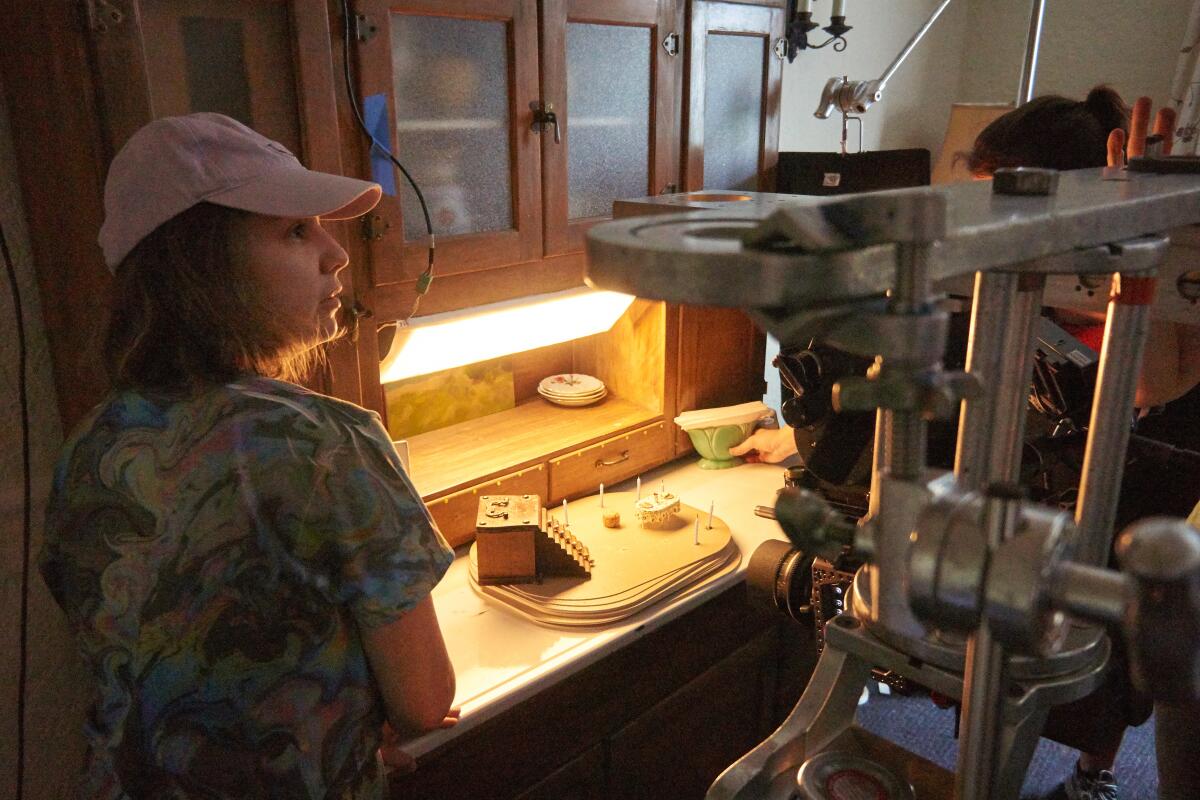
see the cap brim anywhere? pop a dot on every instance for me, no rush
(302, 193)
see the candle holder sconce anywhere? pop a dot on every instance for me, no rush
(801, 24)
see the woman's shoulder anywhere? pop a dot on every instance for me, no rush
(272, 407)
(257, 393)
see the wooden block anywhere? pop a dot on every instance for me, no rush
(507, 527)
(507, 556)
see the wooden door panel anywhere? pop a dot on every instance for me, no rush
(158, 58)
(678, 747)
(741, 26)
(582, 778)
(613, 87)
(447, 85)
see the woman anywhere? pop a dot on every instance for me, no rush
(244, 562)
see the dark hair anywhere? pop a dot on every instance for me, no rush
(1051, 131)
(186, 313)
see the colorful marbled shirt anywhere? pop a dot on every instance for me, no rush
(217, 558)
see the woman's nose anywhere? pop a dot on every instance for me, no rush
(335, 258)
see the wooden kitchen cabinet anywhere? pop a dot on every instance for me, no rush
(463, 91)
(658, 718)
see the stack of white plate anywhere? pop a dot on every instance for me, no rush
(572, 389)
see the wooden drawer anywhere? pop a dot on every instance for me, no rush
(582, 471)
(455, 513)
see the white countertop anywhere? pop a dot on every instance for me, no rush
(500, 658)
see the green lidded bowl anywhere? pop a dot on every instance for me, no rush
(714, 430)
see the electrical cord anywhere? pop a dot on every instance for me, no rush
(26, 532)
(425, 279)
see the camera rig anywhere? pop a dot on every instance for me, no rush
(967, 587)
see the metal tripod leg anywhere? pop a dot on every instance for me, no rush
(825, 710)
(1019, 736)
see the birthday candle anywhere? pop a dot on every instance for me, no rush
(602, 495)
(565, 520)
(696, 532)
(710, 510)
(639, 487)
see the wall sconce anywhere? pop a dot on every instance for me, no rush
(800, 25)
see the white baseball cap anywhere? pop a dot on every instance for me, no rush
(174, 163)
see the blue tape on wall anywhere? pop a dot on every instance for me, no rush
(375, 114)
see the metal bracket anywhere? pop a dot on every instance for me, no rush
(364, 30)
(374, 226)
(671, 44)
(101, 14)
(781, 48)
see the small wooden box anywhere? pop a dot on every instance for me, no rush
(506, 528)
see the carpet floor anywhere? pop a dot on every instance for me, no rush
(921, 727)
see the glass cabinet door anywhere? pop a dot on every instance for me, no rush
(612, 82)
(733, 99)
(447, 85)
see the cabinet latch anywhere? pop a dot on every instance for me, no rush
(364, 29)
(353, 313)
(671, 44)
(544, 117)
(374, 226)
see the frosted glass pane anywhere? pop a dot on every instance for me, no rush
(452, 122)
(733, 75)
(608, 95)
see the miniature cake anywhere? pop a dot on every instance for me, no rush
(656, 508)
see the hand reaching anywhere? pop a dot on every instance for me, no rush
(770, 445)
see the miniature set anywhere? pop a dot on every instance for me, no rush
(581, 566)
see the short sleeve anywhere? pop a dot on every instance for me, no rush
(331, 498)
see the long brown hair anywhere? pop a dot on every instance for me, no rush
(186, 314)
(1051, 131)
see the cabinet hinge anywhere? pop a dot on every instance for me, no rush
(374, 226)
(364, 29)
(671, 44)
(101, 14)
(781, 48)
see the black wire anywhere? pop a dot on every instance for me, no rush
(26, 533)
(426, 278)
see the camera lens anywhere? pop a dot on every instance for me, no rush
(779, 576)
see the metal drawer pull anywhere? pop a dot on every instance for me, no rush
(623, 457)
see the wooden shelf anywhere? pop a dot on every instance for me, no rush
(464, 454)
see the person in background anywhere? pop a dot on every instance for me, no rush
(1060, 133)
(246, 567)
